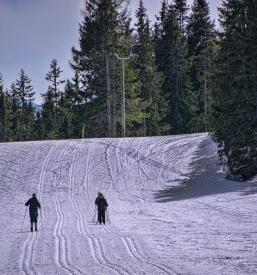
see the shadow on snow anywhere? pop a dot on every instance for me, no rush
(205, 179)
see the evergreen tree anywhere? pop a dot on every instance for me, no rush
(98, 40)
(15, 111)
(150, 79)
(4, 113)
(53, 76)
(25, 111)
(171, 60)
(234, 94)
(200, 52)
(51, 117)
(181, 10)
(67, 112)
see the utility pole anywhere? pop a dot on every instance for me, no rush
(123, 101)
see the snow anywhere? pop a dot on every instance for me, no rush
(170, 210)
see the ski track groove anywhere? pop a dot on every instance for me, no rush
(115, 267)
(61, 255)
(143, 258)
(61, 251)
(129, 243)
(132, 250)
(94, 242)
(119, 168)
(123, 239)
(29, 247)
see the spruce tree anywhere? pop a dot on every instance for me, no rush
(25, 111)
(51, 117)
(200, 52)
(4, 113)
(53, 77)
(15, 113)
(181, 10)
(149, 77)
(171, 61)
(98, 40)
(234, 93)
(67, 113)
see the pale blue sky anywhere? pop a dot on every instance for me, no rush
(33, 32)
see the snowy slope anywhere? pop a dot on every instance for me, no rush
(170, 211)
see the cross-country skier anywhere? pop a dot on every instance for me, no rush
(33, 204)
(101, 204)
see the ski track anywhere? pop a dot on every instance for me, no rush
(30, 243)
(127, 241)
(62, 257)
(95, 244)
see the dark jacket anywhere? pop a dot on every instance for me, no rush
(101, 203)
(33, 204)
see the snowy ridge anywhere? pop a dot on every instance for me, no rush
(170, 212)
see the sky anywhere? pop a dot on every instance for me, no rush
(33, 32)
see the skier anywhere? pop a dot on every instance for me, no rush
(33, 204)
(101, 204)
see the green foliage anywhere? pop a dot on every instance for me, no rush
(170, 52)
(4, 113)
(234, 93)
(150, 78)
(51, 116)
(201, 39)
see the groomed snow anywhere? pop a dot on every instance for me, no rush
(170, 211)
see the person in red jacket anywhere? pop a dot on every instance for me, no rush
(33, 204)
(102, 205)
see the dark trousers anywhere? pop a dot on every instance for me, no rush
(101, 216)
(33, 216)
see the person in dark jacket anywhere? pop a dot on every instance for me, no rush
(102, 205)
(33, 204)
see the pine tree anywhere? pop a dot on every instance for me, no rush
(234, 93)
(200, 52)
(15, 113)
(4, 113)
(53, 76)
(181, 9)
(25, 111)
(67, 112)
(98, 40)
(171, 60)
(51, 117)
(150, 78)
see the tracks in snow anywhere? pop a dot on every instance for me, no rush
(28, 253)
(129, 243)
(95, 243)
(96, 247)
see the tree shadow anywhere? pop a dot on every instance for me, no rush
(205, 180)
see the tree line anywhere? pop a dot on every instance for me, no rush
(182, 75)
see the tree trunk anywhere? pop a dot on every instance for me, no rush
(108, 82)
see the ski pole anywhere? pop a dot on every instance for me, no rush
(41, 219)
(107, 215)
(24, 218)
(95, 216)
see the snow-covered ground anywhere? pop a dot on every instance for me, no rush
(170, 211)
